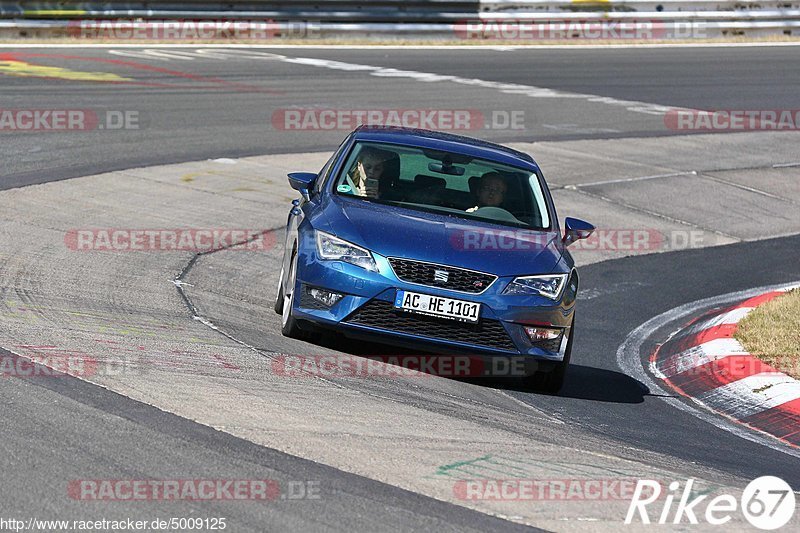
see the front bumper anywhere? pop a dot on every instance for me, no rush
(367, 310)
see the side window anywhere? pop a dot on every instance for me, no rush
(411, 165)
(325, 173)
(458, 183)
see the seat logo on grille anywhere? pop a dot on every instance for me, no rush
(441, 276)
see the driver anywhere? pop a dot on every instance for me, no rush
(368, 172)
(492, 189)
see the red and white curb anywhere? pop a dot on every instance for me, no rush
(706, 364)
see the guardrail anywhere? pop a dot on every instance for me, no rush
(373, 10)
(559, 31)
(515, 7)
(285, 10)
(490, 20)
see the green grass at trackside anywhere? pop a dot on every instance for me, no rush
(771, 332)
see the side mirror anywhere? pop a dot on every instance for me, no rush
(576, 230)
(302, 182)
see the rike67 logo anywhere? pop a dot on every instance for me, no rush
(767, 503)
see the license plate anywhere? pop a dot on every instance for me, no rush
(426, 304)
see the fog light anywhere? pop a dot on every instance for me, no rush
(327, 298)
(542, 334)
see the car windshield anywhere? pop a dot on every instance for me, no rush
(444, 182)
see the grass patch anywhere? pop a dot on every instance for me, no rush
(771, 332)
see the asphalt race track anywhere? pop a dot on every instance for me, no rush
(204, 402)
(205, 108)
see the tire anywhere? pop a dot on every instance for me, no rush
(550, 382)
(279, 298)
(289, 326)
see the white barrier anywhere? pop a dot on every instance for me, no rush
(490, 20)
(480, 32)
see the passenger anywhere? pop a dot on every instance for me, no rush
(492, 189)
(369, 172)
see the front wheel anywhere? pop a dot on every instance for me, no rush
(289, 326)
(551, 382)
(279, 298)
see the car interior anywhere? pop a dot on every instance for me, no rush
(455, 188)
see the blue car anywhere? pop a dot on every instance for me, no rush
(435, 242)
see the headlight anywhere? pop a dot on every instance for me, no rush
(549, 286)
(335, 249)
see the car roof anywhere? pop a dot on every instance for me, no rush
(436, 140)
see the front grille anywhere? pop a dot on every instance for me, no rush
(458, 279)
(383, 315)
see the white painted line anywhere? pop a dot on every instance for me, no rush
(745, 187)
(630, 361)
(617, 203)
(642, 178)
(696, 356)
(137, 54)
(506, 88)
(752, 394)
(191, 55)
(170, 54)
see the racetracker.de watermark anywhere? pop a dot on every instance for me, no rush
(401, 366)
(577, 489)
(52, 361)
(168, 240)
(48, 363)
(601, 30)
(60, 120)
(192, 489)
(192, 30)
(733, 120)
(330, 119)
(628, 240)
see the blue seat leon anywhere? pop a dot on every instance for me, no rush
(435, 242)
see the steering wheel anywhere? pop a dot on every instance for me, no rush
(496, 213)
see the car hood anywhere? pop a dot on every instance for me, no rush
(398, 232)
